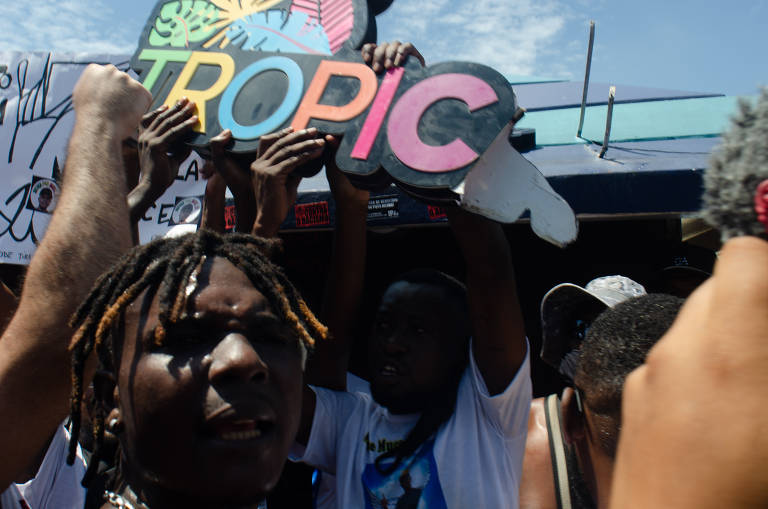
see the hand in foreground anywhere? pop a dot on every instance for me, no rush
(386, 56)
(274, 187)
(110, 100)
(694, 416)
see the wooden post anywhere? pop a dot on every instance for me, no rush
(611, 95)
(586, 76)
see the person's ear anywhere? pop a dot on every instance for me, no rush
(573, 416)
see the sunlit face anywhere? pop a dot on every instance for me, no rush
(418, 344)
(210, 415)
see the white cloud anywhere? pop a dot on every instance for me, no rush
(69, 25)
(508, 35)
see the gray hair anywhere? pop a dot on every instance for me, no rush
(735, 171)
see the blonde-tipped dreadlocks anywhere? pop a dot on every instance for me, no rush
(167, 267)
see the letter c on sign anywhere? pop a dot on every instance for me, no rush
(292, 98)
(403, 125)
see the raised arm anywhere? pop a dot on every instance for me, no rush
(499, 343)
(234, 175)
(344, 286)
(88, 232)
(215, 199)
(344, 289)
(694, 417)
(275, 192)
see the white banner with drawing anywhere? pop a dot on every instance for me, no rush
(36, 119)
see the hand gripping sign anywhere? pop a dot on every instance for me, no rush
(256, 66)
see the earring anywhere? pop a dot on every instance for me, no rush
(115, 425)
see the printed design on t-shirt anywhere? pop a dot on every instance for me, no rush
(414, 484)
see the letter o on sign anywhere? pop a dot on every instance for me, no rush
(291, 100)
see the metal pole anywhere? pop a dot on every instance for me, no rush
(586, 77)
(611, 95)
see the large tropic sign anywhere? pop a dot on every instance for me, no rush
(255, 66)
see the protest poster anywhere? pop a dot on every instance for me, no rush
(36, 120)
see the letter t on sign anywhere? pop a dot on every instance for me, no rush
(179, 90)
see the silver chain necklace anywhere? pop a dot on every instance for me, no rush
(120, 502)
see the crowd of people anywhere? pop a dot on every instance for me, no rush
(184, 372)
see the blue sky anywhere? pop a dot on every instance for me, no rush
(697, 45)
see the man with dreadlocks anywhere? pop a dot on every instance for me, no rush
(205, 341)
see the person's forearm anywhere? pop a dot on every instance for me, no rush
(245, 210)
(344, 289)
(76, 249)
(140, 199)
(497, 321)
(214, 204)
(483, 245)
(94, 184)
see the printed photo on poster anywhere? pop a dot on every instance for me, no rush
(187, 210)
(43, 195)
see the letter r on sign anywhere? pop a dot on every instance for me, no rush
(179, 90)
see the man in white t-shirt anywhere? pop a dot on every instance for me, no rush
(324, 484)
(446, 421)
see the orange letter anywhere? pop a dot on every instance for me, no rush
(310, 107)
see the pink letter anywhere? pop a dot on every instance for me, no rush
(402, 129)
(378, 111)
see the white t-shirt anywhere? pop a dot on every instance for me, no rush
(475, 460)
(56, 485)
(326, 487)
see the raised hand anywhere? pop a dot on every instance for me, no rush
(87, 233)
(387, 55)
(237, 178)
(160, 152)
(274, 187)
(110, 100)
